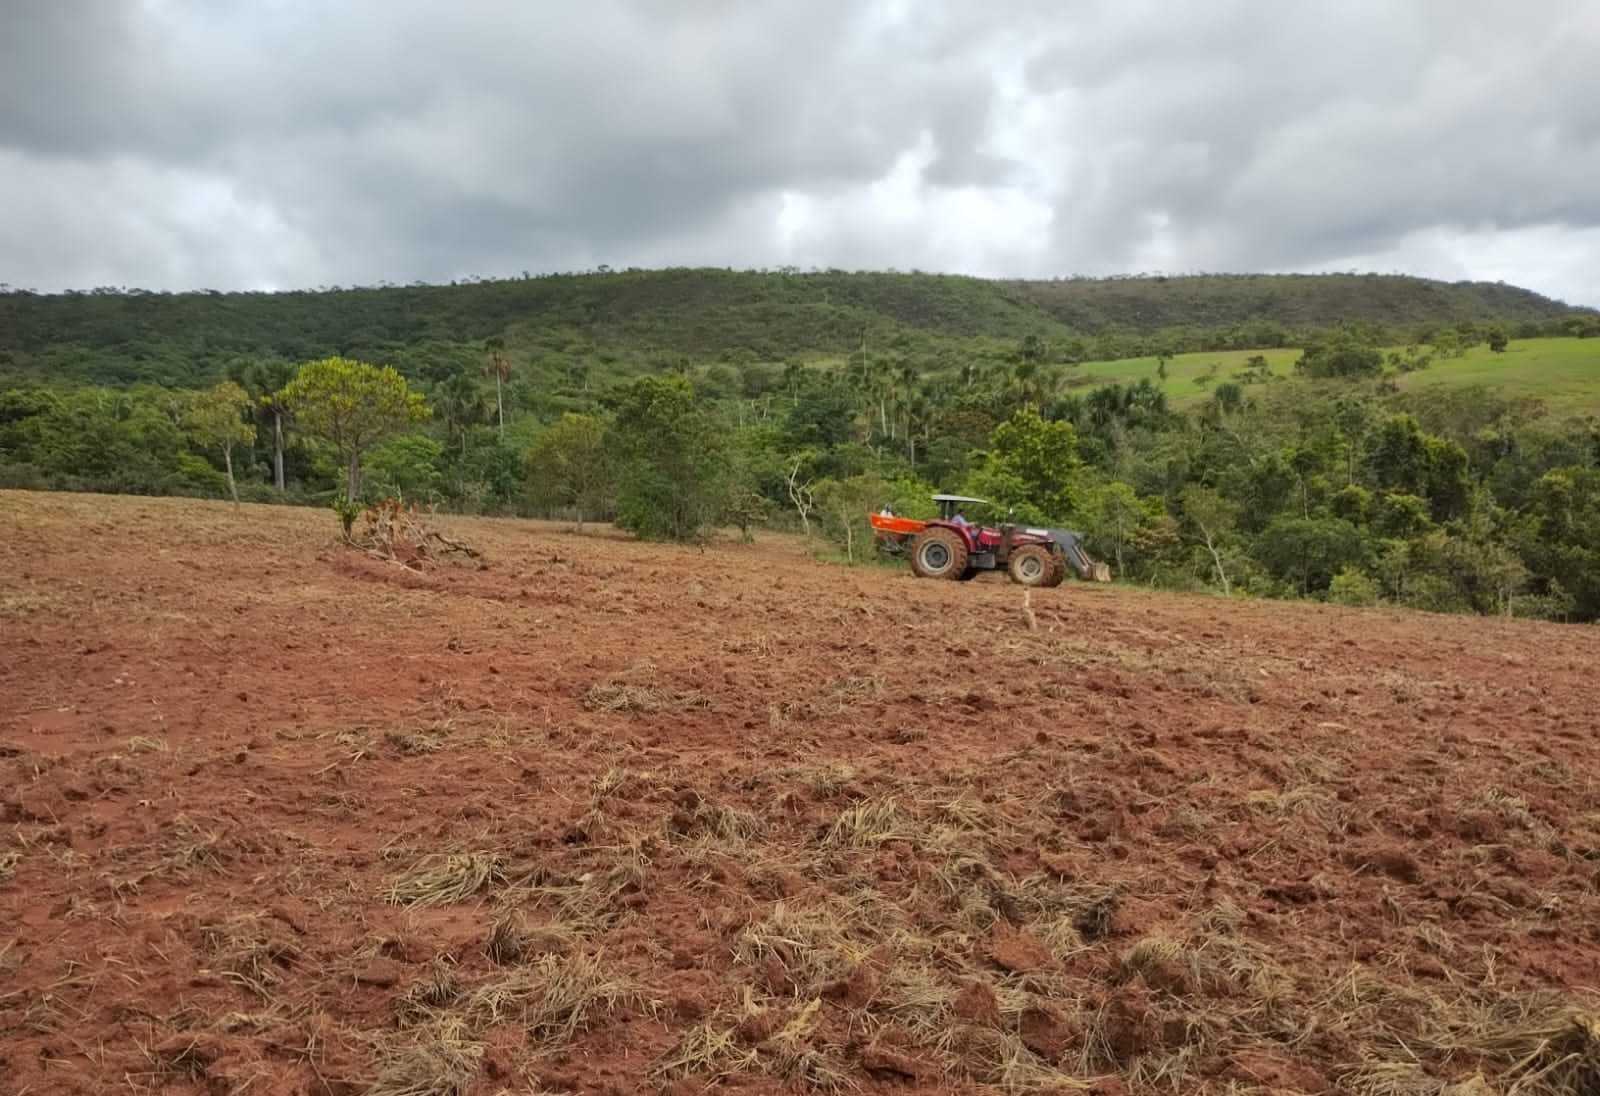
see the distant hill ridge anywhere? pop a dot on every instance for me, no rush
(116, 336)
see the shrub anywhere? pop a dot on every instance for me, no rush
(1351, 587)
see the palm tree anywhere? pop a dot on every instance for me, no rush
(906, 391)
(264, 380)
(500, 368)
(461, 405)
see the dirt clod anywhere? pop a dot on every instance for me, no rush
(976, 1004)
(1018, 950)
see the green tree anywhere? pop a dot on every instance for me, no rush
(1560, 536)
(1497, 339)
(1447, 344)
(215, 420)
(1341, 353)
(1352, 587)
(823, 413)
(1118, 519)
(406, 465)
(1033, 465)
(671, 473)
(568, 466)
(103, 439)
(845, 506)
(352, 406)
(1405, 459)
(1309, 551)
(487, 474)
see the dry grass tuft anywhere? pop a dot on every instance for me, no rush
(824, 781)
(1375, 1077)
(727, 824)
(414, 743)
(999, 1058)
(439, 1059)
(915, 997)
(802, 950)
(872, 822)
(619, 696)
(1546, 1047)
(593, 901)
(620, 780)
(250, 950)
(439, 879)
(8, 865)
(1163, 964)
(556, 997)
(616, 697)
(796, 1057)
(848, 689)
(710, 1052)
(428, 997)
(190, 847)
(507, 942)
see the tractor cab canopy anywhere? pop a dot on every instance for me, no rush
(949, 504)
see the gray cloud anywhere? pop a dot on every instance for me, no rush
(186, 143)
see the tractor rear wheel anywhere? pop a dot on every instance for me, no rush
(1032, 565)
(939, 553)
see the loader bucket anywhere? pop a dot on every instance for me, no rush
(1088, 569)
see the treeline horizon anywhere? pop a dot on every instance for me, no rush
(676, 402)
(616, 324)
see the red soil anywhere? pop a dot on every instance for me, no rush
(209, 713)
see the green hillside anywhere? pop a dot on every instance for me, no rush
(1564, 373)
(617, 324)
(1294, 300)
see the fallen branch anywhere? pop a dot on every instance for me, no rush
(398, 533)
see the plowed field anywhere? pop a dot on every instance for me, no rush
(608, 817)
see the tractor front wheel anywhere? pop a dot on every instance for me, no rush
(1058, 571)
(939, 553)
(1033, 565)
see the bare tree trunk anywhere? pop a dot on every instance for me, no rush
(499, 404)
(277, 449)
(1216, 559)
(353, 479)
(802, 498)
(227, 460)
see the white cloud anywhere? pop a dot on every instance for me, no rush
(187, 143)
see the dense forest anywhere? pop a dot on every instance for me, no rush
(617, 324)
(678, 401)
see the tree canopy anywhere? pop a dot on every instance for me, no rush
(351, 405)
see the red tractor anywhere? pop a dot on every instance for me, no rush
(952, 547)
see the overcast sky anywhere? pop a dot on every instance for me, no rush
(280, 143)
